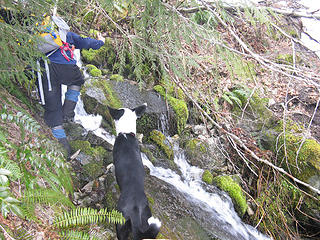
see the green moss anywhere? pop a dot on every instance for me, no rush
(105, 56)
(179, 107)
(90, 67)
(149, 154)
(110, 201)
(207, 177)
(195, 145)
(226, 183)
(112, 99)
(86, 148)
(94, 169)
(116, 77)
(151, 201)
(95, 72)
(287, 59)
(158, 138)
(307, 163)
(290, 126)
(146, 123)
(93, 33)
(95, 157)
(294, 33)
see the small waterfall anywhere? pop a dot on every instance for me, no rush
(163, 124)
(220, 217)
(217, 214)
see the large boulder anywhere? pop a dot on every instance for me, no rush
(99, 93)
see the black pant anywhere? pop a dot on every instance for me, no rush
(66, 74)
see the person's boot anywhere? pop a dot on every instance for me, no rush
(68, 110)
(64, 142)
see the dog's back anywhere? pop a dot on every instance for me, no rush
(128, 163)
(130, 175)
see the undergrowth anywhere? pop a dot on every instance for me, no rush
(34, 171)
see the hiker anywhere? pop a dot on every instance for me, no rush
(62, 69)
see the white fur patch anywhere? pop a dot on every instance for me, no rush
(153, 220)
(127, 122)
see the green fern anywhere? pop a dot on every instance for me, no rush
(46, 196)
(238, 96)
(9, 165)
(83, 216)
(231, 98)
(23, 120)
(23, 234)
(28, 211)
(75, 235)
(7, 201)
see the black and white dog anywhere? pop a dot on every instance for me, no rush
(130, 175)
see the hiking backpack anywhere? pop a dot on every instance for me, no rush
(53, 31)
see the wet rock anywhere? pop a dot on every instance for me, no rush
(157, 116)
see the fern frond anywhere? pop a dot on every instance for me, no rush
(23, 120)
(46, 196)
(74, 235)
(13, 168)
(23, 234)
(82, 216)
(29, 212)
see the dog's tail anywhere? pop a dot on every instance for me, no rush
(147, 229)
(154, 228)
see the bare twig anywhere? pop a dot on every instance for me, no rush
(238, 141)
(6, 234)
(286, 12)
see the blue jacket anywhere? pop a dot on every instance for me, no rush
(79, 43)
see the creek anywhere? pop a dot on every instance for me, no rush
(212, 209)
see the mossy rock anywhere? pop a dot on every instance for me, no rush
(116, 77)
(179, 107)
(90, 67)
(95, 72)
(196, 151)
(227, 184)
(97, 94)
(146, 124)
(194, 147)
(306, 165)
(160, 140)
(86, 147)
(207, 177)
(149, 154)
(95, 157)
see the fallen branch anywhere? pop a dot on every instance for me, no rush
(286, 12)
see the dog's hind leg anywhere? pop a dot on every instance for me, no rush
(123, 230)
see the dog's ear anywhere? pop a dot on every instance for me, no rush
(140, 110)
(116, 114)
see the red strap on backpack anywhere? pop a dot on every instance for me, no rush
(64, 48)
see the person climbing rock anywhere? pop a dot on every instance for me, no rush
(62, 69)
